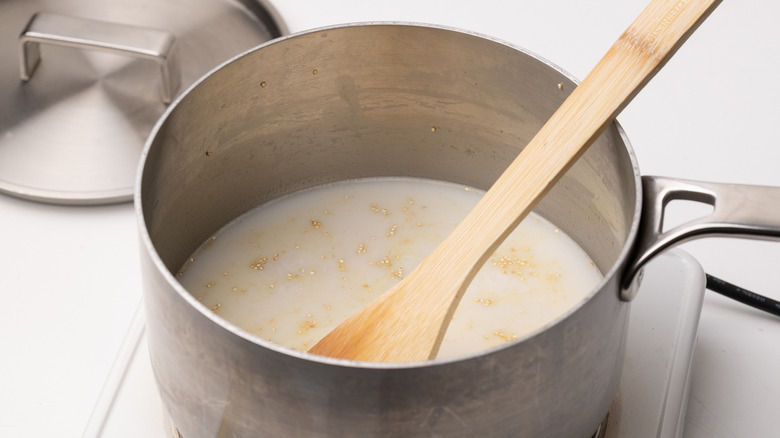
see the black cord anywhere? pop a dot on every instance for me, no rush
(743, 296)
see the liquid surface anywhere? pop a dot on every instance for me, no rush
(291, 270)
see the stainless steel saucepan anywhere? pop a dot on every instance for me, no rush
(390, 99)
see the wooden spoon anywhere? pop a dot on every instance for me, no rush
(408, 321)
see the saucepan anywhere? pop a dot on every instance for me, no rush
(396, 99)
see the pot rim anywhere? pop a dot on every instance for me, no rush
(614, 271)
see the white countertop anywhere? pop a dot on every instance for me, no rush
(69, 275)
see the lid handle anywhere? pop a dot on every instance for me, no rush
(140, 42)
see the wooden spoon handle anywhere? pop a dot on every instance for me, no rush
(627, 66)
(408, 322)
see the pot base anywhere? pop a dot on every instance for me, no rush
(172, 432)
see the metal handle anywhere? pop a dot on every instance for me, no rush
(140, 42)
(746, 211)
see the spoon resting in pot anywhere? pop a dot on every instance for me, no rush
(408, 322)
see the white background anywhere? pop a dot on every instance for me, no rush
(69, 276)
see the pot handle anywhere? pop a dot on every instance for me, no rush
(140, 42)
(747, 211)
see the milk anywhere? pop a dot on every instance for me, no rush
(291, 270)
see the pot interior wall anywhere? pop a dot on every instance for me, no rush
(372, 100)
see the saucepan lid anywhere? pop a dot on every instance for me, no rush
(82, 83)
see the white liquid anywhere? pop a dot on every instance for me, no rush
(291, 270)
